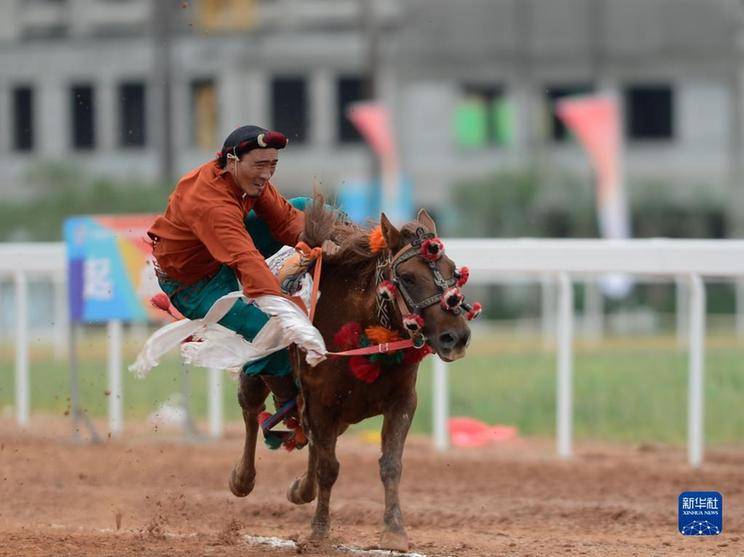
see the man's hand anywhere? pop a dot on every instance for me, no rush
(330, 248)
(313, 358)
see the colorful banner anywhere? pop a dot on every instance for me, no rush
(110, 268)
(596, 122)
(373, 122)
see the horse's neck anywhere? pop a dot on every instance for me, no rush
(351, 299)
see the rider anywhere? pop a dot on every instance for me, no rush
(209, 242)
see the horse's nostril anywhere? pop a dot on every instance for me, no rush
(447, 340)
(465, 338)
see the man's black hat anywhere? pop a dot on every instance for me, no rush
(247, 138)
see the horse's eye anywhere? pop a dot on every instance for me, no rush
(408, 279)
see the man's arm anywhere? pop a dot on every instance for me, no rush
(221, 230)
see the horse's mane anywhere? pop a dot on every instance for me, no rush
(326, 223)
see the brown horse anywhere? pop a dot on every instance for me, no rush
(331, 397)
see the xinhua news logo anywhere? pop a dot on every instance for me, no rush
(700, 513)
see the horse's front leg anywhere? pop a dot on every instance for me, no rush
(251, 395)
(395, 426)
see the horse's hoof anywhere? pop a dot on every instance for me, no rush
(394, 541)
(295, 494)
(314, 543)
(240, 488)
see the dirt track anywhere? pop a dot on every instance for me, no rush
(62, 498)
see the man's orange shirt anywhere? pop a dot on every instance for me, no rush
(203, 228)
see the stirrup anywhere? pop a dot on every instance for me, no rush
(290, 439)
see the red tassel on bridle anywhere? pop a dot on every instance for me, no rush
(474, 311)
(413, 323)
(462, 275)
(432, 249)
(386, 291)
(452, 298)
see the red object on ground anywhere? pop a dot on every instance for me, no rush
(469, 432)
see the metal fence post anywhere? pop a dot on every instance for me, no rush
(214, 402)
(696, 393)
(116, 396)
(564, 400)
(22, 397)
(440, 396)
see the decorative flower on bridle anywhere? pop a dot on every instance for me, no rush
(386, 291)
(452, 299)
(413, 323)
(462, 275)
(432, 249)
(474, 311)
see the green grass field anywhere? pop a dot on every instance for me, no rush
(625, 389)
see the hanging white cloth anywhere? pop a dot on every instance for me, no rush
(219, 347)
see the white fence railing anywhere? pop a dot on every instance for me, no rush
(491, 261)
(22, 262)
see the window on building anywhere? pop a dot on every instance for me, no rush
(649, 112)
(289, 113)
(45, 31)
(348, 90)
(482, 117)
(132, 120)
(226, 15)
(23, 118)
(83, 117)
(204, 114)
(559, 132)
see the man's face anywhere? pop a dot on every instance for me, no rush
(254, 169)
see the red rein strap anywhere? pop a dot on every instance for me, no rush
(375, 349)
(317, 255)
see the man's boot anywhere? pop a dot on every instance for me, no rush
(283, 390)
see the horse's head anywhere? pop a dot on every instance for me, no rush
(426, 286)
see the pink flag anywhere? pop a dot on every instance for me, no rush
(595, 120)
(372, 119)
(373, 122)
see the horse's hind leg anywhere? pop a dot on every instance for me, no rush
(397, 421)
(324, 434)
(303, 489)
(251, 394)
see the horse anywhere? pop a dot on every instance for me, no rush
(331, 398)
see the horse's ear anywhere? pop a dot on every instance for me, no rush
(390, 233)
(424, 218)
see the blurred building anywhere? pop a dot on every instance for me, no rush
(139, 88)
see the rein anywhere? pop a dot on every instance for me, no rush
(383, 348)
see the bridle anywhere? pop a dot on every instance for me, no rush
(393, 291)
